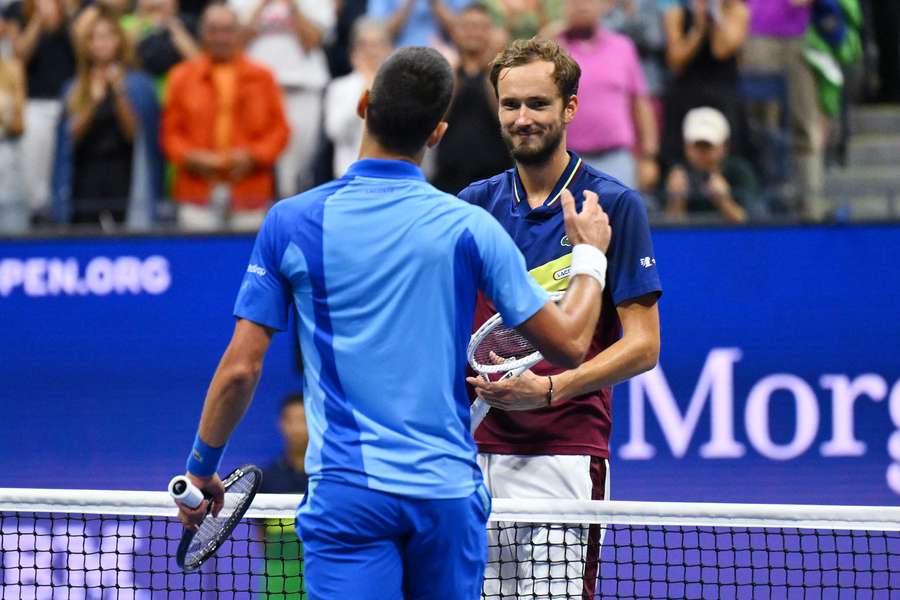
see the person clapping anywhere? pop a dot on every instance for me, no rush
(108, 167)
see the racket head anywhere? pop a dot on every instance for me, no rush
(197, 546)
(494, 337)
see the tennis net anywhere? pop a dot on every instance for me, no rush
(105, 544)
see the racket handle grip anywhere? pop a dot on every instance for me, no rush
(182, 490)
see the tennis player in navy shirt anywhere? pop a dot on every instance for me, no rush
(558, 446)
(382, 271)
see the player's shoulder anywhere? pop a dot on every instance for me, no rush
(484, 191)
(613, 193)
(294, 207)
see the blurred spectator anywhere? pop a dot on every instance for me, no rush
(287, 36)
(369, 46)
(704, 39)
(776, 47)
(13, 207)
(886, 23)
(286, 474)
(41, 41)
(416, 22)
(641, 21)
(107, 163)
(472, 149)
(338, 50)
(223, 128)
(614, 112)
(523, 19)
(710, 180)
(84, 18)
(163, 38)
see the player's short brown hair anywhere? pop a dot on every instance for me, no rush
(566, 71)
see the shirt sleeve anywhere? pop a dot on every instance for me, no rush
(631, 270)
(471, 195)
(503, 277)
(264, 295)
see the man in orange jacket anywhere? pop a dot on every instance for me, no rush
(223, 128)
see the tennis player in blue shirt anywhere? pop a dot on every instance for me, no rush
(381, 271)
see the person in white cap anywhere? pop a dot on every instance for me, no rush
(710, 180)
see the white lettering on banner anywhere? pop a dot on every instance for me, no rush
(38, 277)
(756, 416)
(844, 393)
(715, 387)
(893, 472)
(715, 384)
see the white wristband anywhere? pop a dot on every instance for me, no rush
(589, 260)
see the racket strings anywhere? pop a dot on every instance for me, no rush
(504, 342)
(238, 494)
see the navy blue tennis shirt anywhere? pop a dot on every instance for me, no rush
(582, 425)
(382, 272)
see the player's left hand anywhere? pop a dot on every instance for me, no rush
(525, 392)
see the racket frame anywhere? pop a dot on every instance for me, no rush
(225, 532)
(518, 364)
(510, 368)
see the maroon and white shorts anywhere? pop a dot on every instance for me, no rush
(543, 561)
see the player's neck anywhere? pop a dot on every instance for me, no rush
(540, 180)
(372, 149)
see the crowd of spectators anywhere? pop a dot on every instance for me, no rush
(136, 113)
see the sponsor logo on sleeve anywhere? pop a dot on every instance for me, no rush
(256, 270)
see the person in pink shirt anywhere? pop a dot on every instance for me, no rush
(615, 129)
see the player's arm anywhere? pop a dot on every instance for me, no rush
(563, 333)
(226, 402)
(635, 352)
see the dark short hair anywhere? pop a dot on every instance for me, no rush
(566, 71)
(408, 99)
(290, 400)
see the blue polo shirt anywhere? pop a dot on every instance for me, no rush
(382, 271)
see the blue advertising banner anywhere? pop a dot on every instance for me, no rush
(779, 379)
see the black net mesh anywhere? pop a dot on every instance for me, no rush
(107, 556)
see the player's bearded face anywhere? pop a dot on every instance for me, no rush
(531, 112)
(533, 143)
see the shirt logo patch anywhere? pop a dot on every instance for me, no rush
(565, 241)
(562, 273)
(256, 270)
(648, 262)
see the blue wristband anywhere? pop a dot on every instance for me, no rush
(203, 461)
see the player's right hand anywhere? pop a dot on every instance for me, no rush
(210, 486)
(591, 225)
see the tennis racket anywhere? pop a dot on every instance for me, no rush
(498, 352)
(197, 546)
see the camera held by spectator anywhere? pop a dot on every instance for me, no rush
(710, 180)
